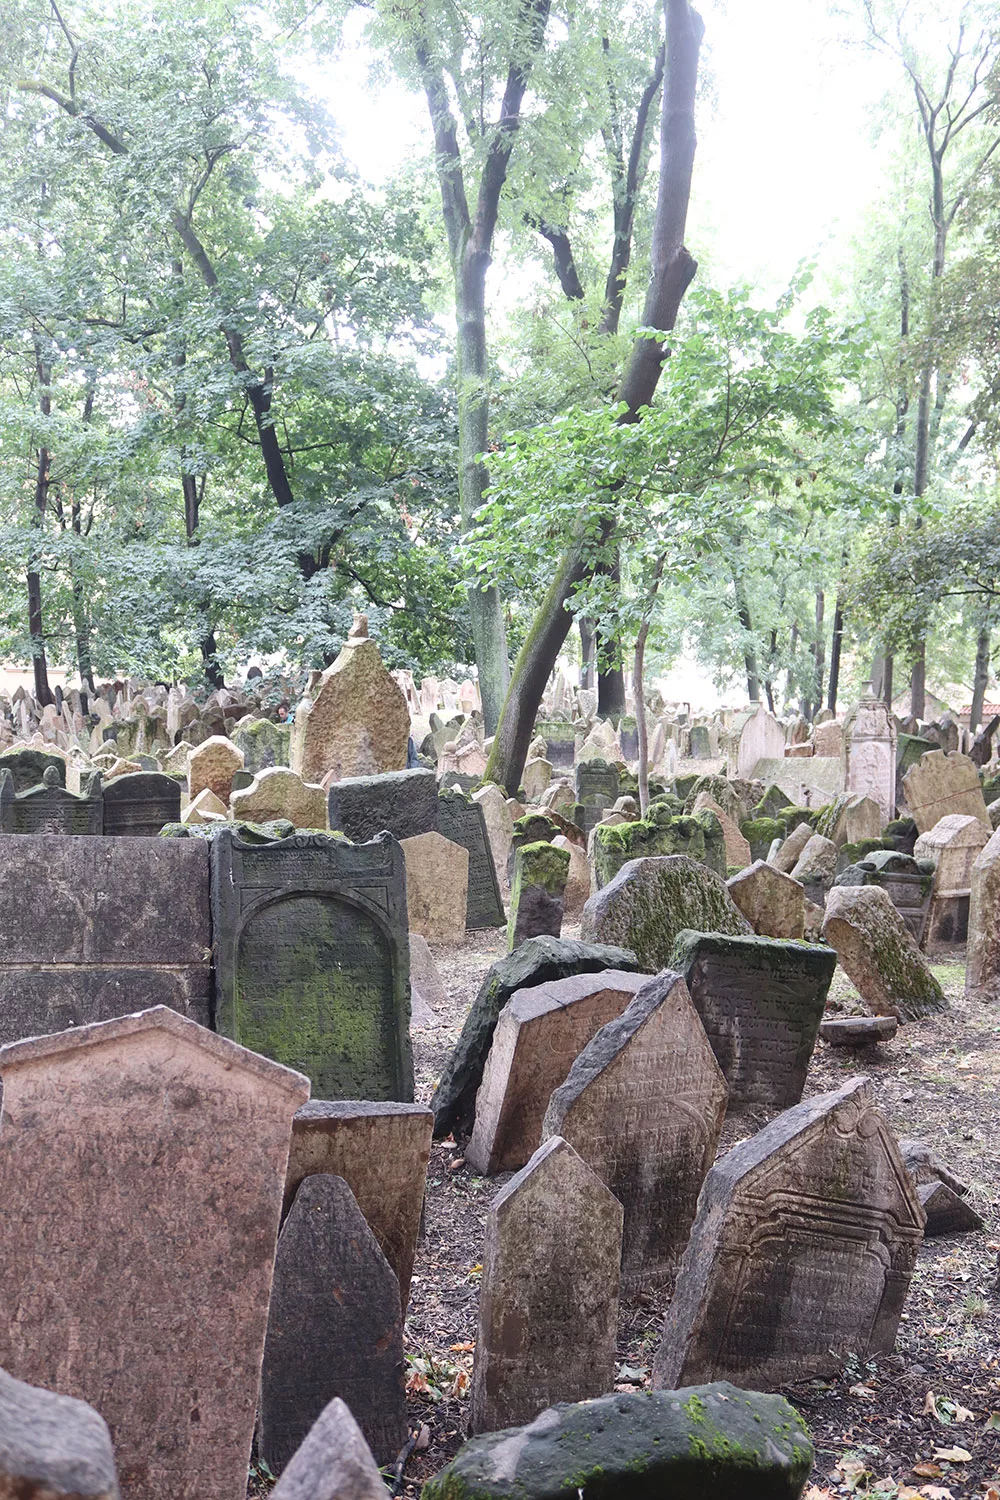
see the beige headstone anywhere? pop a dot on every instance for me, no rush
(577, 890)
(499, 827)
(828, 738)
(870, 745)
(213, 764)
(535, 779)
(206, 808)
(356, 723)
(953, 844)
(277, 792)
(818, 860)
(982, 973)
(940, 784)
(787, 856)
(772, 902)
(877, 953)
(437, 886)
(737, 849)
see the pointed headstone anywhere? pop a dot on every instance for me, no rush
(333, 1463)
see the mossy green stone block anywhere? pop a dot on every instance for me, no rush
(760, 834)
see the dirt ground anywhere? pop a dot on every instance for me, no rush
(923, 1421)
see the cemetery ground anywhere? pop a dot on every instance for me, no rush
(921, 1422)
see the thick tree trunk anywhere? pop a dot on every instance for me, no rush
(981, 676)
(610, 667)
(836, 642)
(588, 654)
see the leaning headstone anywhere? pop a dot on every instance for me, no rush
(381, 1152)
(461, 820)
(403, 803)
(773, 903)
(312, 958)
(140, 804)
(878, 955)
(802, 1251)
(499, 825)
(651, 900)
(737, 849)
(643, 1105)
(163, 1150)
(540, 1034)
(333, 1463)
(334, 1328)
(356, 723)
(437, 885)
(704, 1440)
(427, 991)
(946, 1212)
(982, 973)
(537, 961)
(761, 1003)
(787, 856)
(206, 808)
(554, 1224)
(816, 866)
(52, 1447)
(276, 792)
(537, 893)
(940, 784)
(213, 765)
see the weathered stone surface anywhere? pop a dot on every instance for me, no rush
(427, 990)
(28, 767)
(94, 928)
(206, 808)
(138, 805)
(537, 892)
(312, 958)
(461, 820)
(381, 1152)
(540, 1034)
(703, 1440)
(212, 765)
(52, 1447)
(787, 856)
(801, 1253)
(577, 892)
(761, 1003)
(878, 955)
(772, 902)
(50, 808)
(817, 862)
(982, 973)
(737, 849)
(952, 845)
(262, 742)
(596, 790)
(946, 1212)
(537, 961)
(355, 724)
(403, 803)
(940, 784)
(650, 901)
(163, 1150)
(333, 1463)
(870, 747)
(614, 842)
(643, 1104)
(499, 826)
(536, 777)
(276, 792)
(925, 1165)
(858, 1031)
(437, 885)
(333, 1329)
(548, 1303)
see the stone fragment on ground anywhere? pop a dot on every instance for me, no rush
(52, 1447)
(858, 1031)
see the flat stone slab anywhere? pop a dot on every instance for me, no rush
(858, 1031)
(52, 1447)
(946, 1212)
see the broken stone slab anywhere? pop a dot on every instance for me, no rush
(817, 864)
(52, 1447)
(946, 1212)
(333, 1463)
(772, 902)
(427, 991)
(925, 1166)
(791, 848)
(878, 954)
(651, 900)
(708, 1439)
(858, 1031)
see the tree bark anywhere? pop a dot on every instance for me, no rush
(819, 654)
(836, 642)
(981, 676)
(588, 653)
(36, 626)
(918, 681)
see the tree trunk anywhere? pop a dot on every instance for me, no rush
(836, 641)
(749, 654)
(588, 654)
(918, 681)
(819, 654)
(638, 688)
(610, 667)
(36, 628)
(981, 677)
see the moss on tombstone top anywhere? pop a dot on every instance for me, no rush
(853, 854)
(250, 833)
(772, 804)
(541, 864)
(720, 789)
(660, 832)
(760, 834)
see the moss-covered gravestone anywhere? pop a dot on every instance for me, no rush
(878, 955)
(50, 808)
(650, 901)
(28, 767)
(537, 892)
(597, 788)
(312, 959)
(697, 836)
(263, 743)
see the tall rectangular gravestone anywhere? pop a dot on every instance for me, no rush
(312, 959)
(596, 790)
(138, 806)
(141, 1169)
(461, 820)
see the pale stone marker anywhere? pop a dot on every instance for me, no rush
(982, 973)
(773, 903)
(356, 723)
(737, 849)
(540, 1034)
(651, 900)
(427, 991)
(537, 893)
(163, 1149)
(878, 954)
(213, 765)
(333, 1463)
(802, 1251)
(954, 844)
(499, 826)
(760, 737)
(870, 745)
(940, 784)
(276, 792)
(788, 854)
(643, 1105)
(818, 861)
(577, 892)
(206, 808)
(52, 1447)
(548, 1305)
(437, 885)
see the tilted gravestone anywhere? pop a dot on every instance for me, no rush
(982, 974)
(138, 1280)
(52, 1447)
(381, 1152)
(138, 805)
(548, 1303)
(461, 820)
(50, 808)
(403, 803)
(92, 928)
(772, 902)
(312, 959)
(643, 1105)
(761, 1003)
(333, 1463)
(878, 955)
(262, 742)
(334, 1327)
(802, 1251)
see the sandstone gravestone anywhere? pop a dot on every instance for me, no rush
(761, 1003)
(788, 854)
(499, 826)
(50, 808)
(206, 808)
(643, 1105)
(276, 792)
(213, 764)
(312, 958)
(953, 844)
(52, 1447)
(870, 747)
(802, 1251)
(982, 974)
(940, 784)
(427, 991)
(97, 927)
(403, 803)
(333, 1329)
(138, 805)
(548, 1303)
(537, 893)
(651, 900)
(462, 820)
(878, 955)
(381, 1152)
(356, 723)
(773, 903)
(737, 849)
(540, 1033)
(437, 886)
(333, 1463)
(163, 1150)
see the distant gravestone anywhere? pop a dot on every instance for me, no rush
(773, 903)
(262, 742)
(334, 1328)
(162, 1148)
(554, 1225)
(277, 792)
(953, 844)
(941, 784)
(761, 1003)
(643, 1105)
(437, 886)
(651, 900)
(96, 928)
(802, 1251)
(597, 789)
(403, 803)
(312, 959)
(559, 743)
(213, 764)
(138, 805)
(333, 1463)
(982, 974)
(461, 820)
(870, 746)
(540, 1034)
(381, 1152)
(28, 767)
(52, 1447)
(355, 723)
(50, 808)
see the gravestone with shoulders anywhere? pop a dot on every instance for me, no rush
(140, 804)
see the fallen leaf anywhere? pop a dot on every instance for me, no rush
(953, 1455)
(907, 1492)
(963, 1414)
(460, 1348)
(461, 1384)
(993, 1422)
(459, 1161)
(862, 1390)
(935, 1492)
(930, 1406)
(813, 1492)
(928, 1471)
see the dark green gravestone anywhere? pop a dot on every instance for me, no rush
(312, 959)
(28, 767)
(50, 808)
(138, 806)
(461, 820)
(403, 803)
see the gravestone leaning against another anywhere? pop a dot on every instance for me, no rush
(462, 820)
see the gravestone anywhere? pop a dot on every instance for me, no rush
(138, 1280)
(940, 784)
(213, 764)
(437, 885)
(548, 1302)
(333, 1463)
(540, 1033)
(52, 1447)
(982, 973)
(138, 805)
(50, 808)
(643, 1104)
(28, 767)
(333, 1328)
(461, 820)
(802, 1251)
(276, 792)
(761, 1003)
(760, 737)
(427, 991)
(787, 856)
(262, 742)
(597, 789)
(773, 903)
(953, 844)
(403, 803)
(381, 1152)
(537, 893)
(878, 955)
(907, 885)
(99, 927)
(559, 743)
(355, 723)
(870, 751)
(499, 827)
(651, 900)
(736, 847)
(312, 958)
